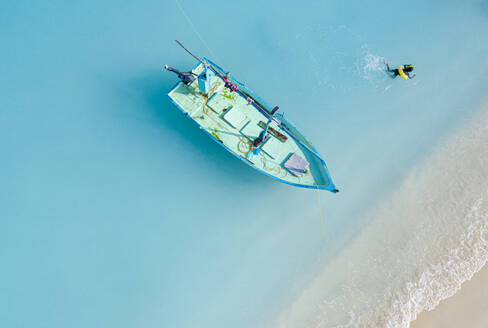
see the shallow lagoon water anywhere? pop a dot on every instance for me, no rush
(118, 211)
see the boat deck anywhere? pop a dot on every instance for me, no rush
(234, 122)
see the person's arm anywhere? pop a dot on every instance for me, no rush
(412, 76)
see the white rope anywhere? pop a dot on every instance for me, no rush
(320, 213)
(194, 29)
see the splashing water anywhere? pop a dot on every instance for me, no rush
(370, 64)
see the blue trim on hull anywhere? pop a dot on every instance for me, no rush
(309, 148)
(331, 187)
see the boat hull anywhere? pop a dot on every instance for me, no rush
(235, 119)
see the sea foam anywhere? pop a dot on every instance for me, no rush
(423, 242)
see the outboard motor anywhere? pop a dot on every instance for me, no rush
(185, 77)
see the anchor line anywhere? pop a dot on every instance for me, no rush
(195, 29)
(320, 212)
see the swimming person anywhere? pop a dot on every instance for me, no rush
(185, 77)
(402, 70)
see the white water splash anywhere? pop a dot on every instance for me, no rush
(369, 64)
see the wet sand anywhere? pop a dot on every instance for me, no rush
(467, 308)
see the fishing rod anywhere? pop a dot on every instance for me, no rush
(226, 79)
(191, 53)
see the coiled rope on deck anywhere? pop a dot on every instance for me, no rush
(246, 141)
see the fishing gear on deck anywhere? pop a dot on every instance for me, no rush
(294, 155)
(229, 85)
(255, 101)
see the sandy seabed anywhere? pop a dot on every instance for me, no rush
(467, 308)
(422, 244)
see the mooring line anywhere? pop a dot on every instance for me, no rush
(322, 219)
(195, 29)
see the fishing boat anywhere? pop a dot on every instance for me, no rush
(250, 129)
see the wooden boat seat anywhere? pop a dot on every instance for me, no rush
(274, 132)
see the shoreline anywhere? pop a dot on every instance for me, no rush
(466, 308)
(426, 240)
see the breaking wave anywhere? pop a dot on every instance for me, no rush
(423, 242)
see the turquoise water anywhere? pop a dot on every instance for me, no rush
(116, 211)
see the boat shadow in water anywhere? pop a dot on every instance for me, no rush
(180, 133)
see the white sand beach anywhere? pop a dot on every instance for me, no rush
(467, 308)
(424, 243)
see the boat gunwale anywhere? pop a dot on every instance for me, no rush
(310, 148)
(330, 187)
